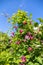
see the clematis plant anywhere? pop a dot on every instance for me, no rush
(26, 45)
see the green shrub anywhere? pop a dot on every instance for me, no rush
(25, 46)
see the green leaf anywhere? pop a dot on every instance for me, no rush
(30, 63)
(40, 19)
(36, 24)
(36, 64)
(39, 59)
(27, 56)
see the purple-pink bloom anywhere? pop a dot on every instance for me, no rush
(21, 30)
(26, 37)
(23, 58)
(18, 42)
(30, 49)
(31, 37)
(12, 33)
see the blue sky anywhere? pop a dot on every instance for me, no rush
(11, 6)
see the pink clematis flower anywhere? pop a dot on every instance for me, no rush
(18, 42)
(26, 37)
(23, 58)
(12, 33)
(24, 22)
(21, 31)
(30, 49)
(31, 37)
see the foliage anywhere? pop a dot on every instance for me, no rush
(25, 46)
